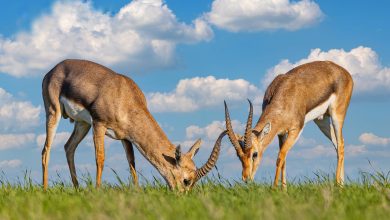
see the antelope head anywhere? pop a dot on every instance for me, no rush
(188, 174)
(248, 147)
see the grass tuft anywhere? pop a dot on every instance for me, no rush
(212, 198)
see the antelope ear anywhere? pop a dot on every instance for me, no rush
(195, 148)
(267, 128)
(264, 132)
(178, 154)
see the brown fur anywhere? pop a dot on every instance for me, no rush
(286, 102)
(115, 102)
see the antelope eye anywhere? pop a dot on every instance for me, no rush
(254, 155)
(187, 182)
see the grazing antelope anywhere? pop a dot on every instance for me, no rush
(319, 91)
(113, 105)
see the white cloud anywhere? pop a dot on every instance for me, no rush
(372, 139)
(12, 141)
(212, 130)
(354, 150)
(59, 139)
(17, 115)
(257, 15)
(209, 134)
(328, 151)
(143, 34)
(317, 151)
(306, 142)
(362, 62)
(10, 163)
(195, 93)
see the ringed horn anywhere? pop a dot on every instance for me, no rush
(248, 129)
(212, 159)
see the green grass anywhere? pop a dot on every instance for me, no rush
(367, 198)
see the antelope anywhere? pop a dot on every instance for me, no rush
(319, 91)
(92, 95)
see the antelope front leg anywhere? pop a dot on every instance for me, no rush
(99, 132)
(280, 163)
(283, 176)
(282, 139)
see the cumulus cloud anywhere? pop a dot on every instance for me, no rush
(362, 62)
(17, 115)
(13, 141)
(209, 134)
(195, 93)
(10, 163)
(306, 142)
(257, 15)
(329, 151)
(212, 130)
(372, 139)
(354, 150)
(143, 34)
(59, 139)
(317, 151)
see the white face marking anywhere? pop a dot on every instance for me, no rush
(320, 110)
(76, 111)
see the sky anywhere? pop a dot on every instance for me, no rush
(187, 57)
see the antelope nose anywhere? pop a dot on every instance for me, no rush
(246, 175)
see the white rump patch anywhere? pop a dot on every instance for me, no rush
(319, 111)
(76, 111)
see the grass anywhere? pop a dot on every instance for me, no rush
(367, 198)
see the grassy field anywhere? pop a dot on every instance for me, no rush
(368, 198)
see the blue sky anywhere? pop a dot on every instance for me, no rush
(232, 50)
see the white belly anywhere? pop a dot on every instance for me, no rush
(320, 110)
(76, 111)
(111, 133)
